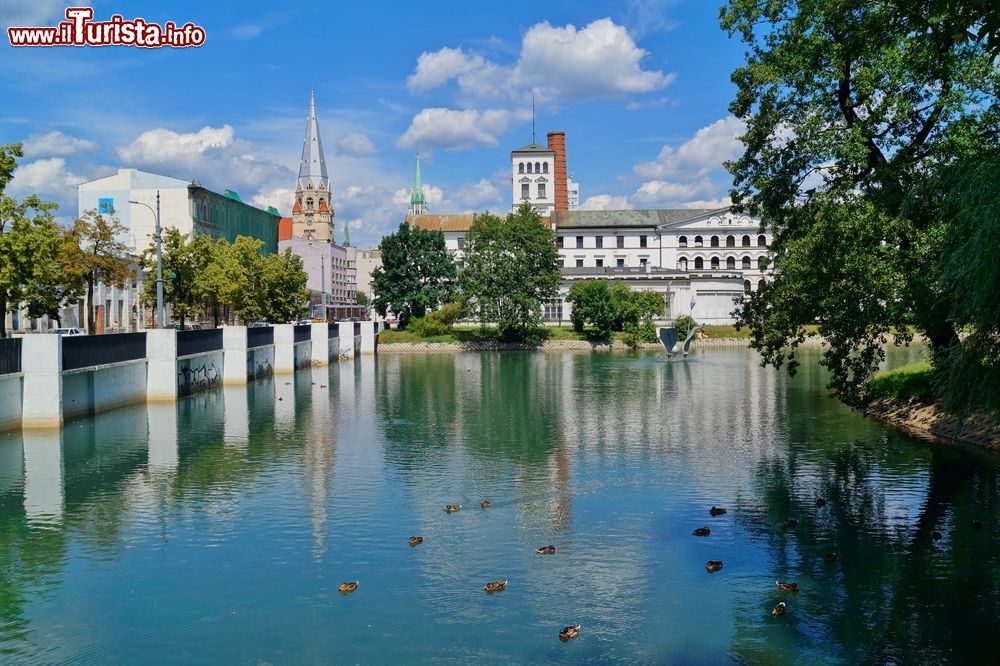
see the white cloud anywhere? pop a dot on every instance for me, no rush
(280, 198)
(708, 203)
(161, 145)
(55, 144)
(478, 195)
(662, 194)
(659, 101)
(704, 152)
(354, 144)
(433, 195)
(452, 129)
(42, 175)
(246, 31)
(606, 202)
(600, 59)
(32, 12)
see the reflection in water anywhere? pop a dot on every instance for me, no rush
(218, 529)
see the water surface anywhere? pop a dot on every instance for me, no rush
(219, 530)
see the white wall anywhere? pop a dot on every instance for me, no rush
(11, 390)
(92, 391)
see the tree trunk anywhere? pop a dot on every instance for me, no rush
(3, 317)
(91, 325)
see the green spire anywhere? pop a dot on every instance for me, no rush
(417, 196)
(347, 234)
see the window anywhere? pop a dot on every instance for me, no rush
(746, 263)
(715, 241)
(699, 263)
(541, 190)
(715, 263)
(621, 242)
(520, 167)
(746, 241)
(642, 241)
(599, 262)
(599, 241)
(562, 263)
(461, 242)
(309, 203)
(524, 191)
(461, 265)
(761, 241)
(545, 167)
(579, 263)
(620, 262)
(529, 167)
(682, 264)
(746, 286)
(643, 261)
(698, 241)
(730, 263)
(730, 241)
(552, 309)
(559, 241)
(538, 168)
(682, 241)
(579, 241)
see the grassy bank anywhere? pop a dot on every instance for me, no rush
(909, 381)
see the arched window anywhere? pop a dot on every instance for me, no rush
(762, 263)
(529, 167)
(730, 241)
(538, 168)
(545, 167)
(746, 263)
(760, 283)
(730, 263)
(309, 204)
(746, 286)
(715, 263)
(746, 241)
(761, 241)
(715, 241)
(520, 167)
(698, 242)
(682, 241)
(682, 264)
(699, 263)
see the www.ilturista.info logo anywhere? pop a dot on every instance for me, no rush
(80, 30)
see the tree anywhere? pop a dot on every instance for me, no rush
(611, 306)
(104, 259)
(65, 283)
(592, 305)
(511, 266)
(417, 273)
(184, 258)
(281, 289)
(851, 107)
(30, 244)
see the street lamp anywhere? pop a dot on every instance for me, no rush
(159, 258)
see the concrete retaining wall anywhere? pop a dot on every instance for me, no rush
(260, 362)
(92, 390)
(200, 372)
(11, 397)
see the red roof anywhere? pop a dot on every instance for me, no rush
(284, 228)
(297, 208)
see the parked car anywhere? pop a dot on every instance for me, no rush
(303, 322)
(187, 327)
(67, 331)
(260, 324)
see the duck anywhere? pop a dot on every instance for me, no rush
(713, 565)
(717, 511)
(936, 535)
(831, 558)
(820, 502)
(572, 631)
(495, 585)
(787, 587)
(790, 522)
(416, 540)
(452, 508)
(702, 531)
(346, 588)
(485, 504)
(976, 525)
(779, 609)
(546, 550)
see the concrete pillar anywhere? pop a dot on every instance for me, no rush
(41, 363)
(284, 349)
(162, 423)
(44, 495)
(236, 416)
(320, 344)
(367, 337)
(234, 355)
(161, 369)
(345, 332)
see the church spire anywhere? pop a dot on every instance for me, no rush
(312, 169)
(418, 203)
(347, 235)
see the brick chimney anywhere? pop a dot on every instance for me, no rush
(557, 144)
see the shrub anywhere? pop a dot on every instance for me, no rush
(684, 324)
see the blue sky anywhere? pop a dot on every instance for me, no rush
(641, 89)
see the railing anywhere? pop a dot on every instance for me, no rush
(199, 342)
(357, 328)
(10, 356)
(332, 330)
(260, 336)
(84, 351)
(303, 333)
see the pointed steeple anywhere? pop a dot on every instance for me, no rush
(418, 203)
(312, 170)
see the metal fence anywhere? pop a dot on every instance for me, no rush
(332, 330)
(303, 333)
(260, 336)
(199, 342)
(10, 356)
(84, 351)
(357, 328)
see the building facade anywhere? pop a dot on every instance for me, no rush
(312, 211)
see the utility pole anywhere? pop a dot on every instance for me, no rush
(159, 258)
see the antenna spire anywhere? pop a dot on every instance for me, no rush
(532, 116)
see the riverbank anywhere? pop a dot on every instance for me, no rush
(556, 345)
(929, 421)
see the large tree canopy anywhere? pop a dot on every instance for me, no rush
(852, 108)
(417, 273)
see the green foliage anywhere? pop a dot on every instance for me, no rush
(607, 307)
(361, 298)
(417, 273)
(183, 261)
(593, 305)
(511, 266)
(910, 381)
(684, 324)
(102, 257)
(865, 124)
(437, 323)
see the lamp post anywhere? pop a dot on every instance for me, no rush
(159, 258)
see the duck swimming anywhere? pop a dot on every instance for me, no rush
(416, 540)
(976, 525)
(713, 565)
(717, 511)
(495, 585)
(779, 609)
(787, 587)
(346, 588)
(820, 502)
(572, 631)
(790, 522)
(485, 504)
(936, 535)
(831, 557)
(702, 531)
(452, 508)
(546, 550)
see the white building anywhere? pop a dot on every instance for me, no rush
(573, 189)
(533, 177)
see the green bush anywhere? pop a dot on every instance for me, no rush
(437, 323)
(684, 324)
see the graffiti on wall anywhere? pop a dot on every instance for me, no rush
(194, 376)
